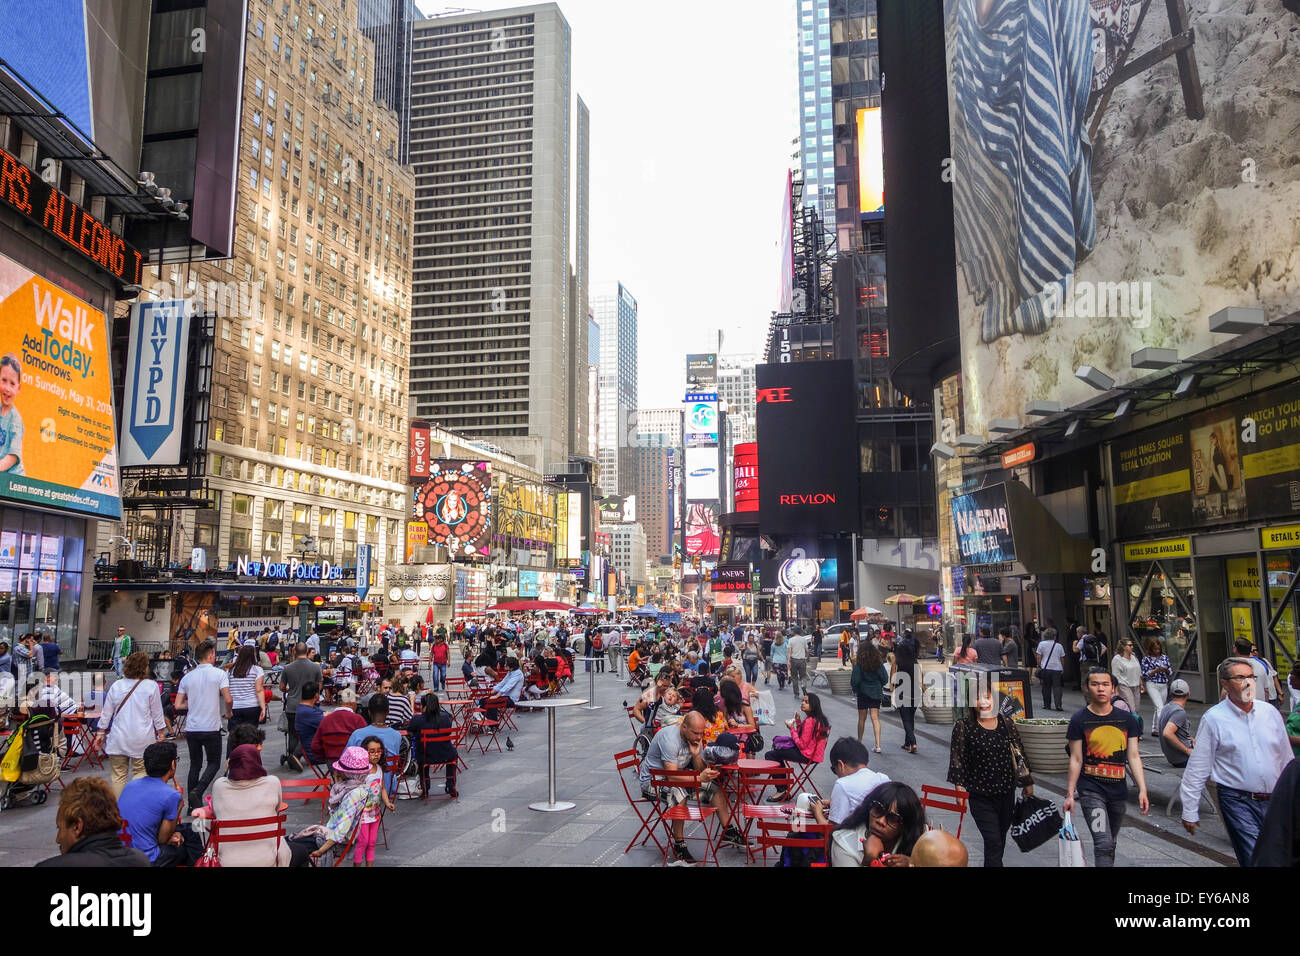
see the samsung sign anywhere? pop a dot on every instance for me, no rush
(293, 569)
(982, 523)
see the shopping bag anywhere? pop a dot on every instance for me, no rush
(1034, 821)
(764, 706)
(1069, 851)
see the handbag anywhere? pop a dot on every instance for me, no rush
(1023, 777)
(782, 742)
(764, 706)
(1069, 851)
(1034, 821)
(282, 724)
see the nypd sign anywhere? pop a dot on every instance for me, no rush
(155, 383)
(291, 570)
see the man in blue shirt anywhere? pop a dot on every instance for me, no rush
(151, 808)
(307, 718)
(513, 683)
(392, 740)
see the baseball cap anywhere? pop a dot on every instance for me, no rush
(1179, 688)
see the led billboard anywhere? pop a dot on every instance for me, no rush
(744, 477)
(701, 423)
(703, 481)
(871, 162)
(456, 503)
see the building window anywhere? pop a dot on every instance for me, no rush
(301, 513)
(274, 509)
(242, 504)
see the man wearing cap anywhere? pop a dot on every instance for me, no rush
(1243, 748)
(1176, 740)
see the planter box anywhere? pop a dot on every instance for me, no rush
(840, 681)
(942, 711)
(1044, 745)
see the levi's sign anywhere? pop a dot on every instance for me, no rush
(60, 217)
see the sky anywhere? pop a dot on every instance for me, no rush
(693, 112)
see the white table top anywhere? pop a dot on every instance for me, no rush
(552, 702)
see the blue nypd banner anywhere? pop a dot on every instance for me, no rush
(363, 570)
(153, 409)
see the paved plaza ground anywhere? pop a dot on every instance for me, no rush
(491, 824)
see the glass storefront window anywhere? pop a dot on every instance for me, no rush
(1162, 598)
(1283, 577)
(40, 575)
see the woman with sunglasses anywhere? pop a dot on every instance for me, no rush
(1127, 671)
(986, 759)
(882, 831)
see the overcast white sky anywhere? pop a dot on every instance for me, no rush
(693, 109)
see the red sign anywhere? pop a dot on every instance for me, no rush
(318, 601)
(745, 476)
(60, 217)
(418, 464)
(1019, 456)
(293, 602)
(816, 498)
(774, 396)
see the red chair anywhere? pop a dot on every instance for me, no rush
(692, 811)
(481, 724)
(238, 831)
(453, 736)
(307, 789)
(77, 734)
(751, 787)
(628, 760)
(778, 833)
(803, 776)
(946, 798)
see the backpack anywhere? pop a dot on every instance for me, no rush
(1090, 650)
(598, 643)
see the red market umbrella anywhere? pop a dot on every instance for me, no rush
(530, 606)
(863, 612)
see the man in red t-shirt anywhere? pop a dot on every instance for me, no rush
(441, 655)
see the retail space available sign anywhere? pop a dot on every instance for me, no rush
(1155, 550)
(291, 570)
(982, 523)
(58, 438)
(156, 364)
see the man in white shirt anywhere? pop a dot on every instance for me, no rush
(797, 648)
(313, 644)
(848, 761)
(205, 691)
(1242, 745)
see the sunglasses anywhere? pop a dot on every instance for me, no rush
(892, 817)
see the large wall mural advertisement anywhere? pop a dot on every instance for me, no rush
(456, 503)
(1118, 177)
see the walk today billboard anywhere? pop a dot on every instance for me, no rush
(1118, 176)
(58, 436)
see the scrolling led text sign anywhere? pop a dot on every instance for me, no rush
(60, 217)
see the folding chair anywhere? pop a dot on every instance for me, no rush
(178, 718)
(77, 733)
(946, 798)
(751, 788)
(803, 776)
(453, 736)
(692, 811)
(628, 760)
(307, 789)
(237, 831)
(780, 833)
(480, 724)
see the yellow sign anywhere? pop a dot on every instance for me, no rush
(1275, 461)
(417, 536)
(1287, 536)
(1153, 550)
(58, 440)
(1174, 483)
(1243, 624)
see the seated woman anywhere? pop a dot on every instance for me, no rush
(702, 703)
(809, 730)
(882, 831)
(432, 717)
(738, 713)
(400, 705)
(350, 797)
(247, 792)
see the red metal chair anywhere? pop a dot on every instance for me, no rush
(246, 831)
(946, 798)
(692, 811)
(77, 734)
(778, 833)
(803, 776)
(628, 760)
(751, 787)
(453, 736)
(307, 789)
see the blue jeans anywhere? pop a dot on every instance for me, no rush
(751, 671)
(1103, 816)
(439, 676)
(1242, 818)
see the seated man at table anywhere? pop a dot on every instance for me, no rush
(512, 684)
(308, 718)
(378, 727)
(853, 781)
(151, 807)
(50, 698)
(681, 747)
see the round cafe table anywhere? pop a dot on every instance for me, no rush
(549, 705)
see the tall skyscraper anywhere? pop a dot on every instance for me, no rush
(592, 449)
(736, 388)
(616, 313)
(651, 483)
(580, 424)
(816, 129)
(388, 24)
(660, 427)
(490, 146)
(309, 398)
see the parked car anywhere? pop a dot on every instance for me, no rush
(831, 636)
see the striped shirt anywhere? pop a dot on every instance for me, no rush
(243, 690)
(399, 710)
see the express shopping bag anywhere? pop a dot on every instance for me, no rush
(764, 706)
(1033, 822)
(1069, 850)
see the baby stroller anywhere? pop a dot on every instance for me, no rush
(30, 760)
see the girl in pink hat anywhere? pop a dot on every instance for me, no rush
(354, 797)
